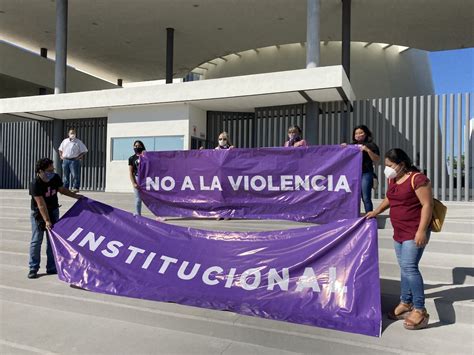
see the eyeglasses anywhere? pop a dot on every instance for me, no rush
(223, 139)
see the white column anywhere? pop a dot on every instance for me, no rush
(312, 33)
(61, 47)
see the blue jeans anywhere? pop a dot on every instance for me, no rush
(35, 244)
(367, 184)
(412, 288)
(72, 167)
(138, 202)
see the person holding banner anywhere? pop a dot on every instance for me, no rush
(362, 136)
(295, 137)
(44, 213)
(133, 163)
(224, 141)
(410, 199)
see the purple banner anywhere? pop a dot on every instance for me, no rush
(320, 184)
(324, 276)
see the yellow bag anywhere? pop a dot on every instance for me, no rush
(439, 211)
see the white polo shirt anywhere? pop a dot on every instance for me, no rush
(72, 148)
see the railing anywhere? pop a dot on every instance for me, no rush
(435, 130)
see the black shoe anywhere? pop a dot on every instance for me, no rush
(33, 274)
(52, 272)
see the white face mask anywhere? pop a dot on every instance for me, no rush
(72, 136)
(222, 142)
(390, 173)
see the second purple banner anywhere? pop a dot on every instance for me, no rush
(319, 184)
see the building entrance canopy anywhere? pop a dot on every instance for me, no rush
(242, 93)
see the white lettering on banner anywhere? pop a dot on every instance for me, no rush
(274, 278)
(112, 247)
(206, 275)
(253, 183)
(148, 260)
(166, 262)
(342, 184)
(191, 275)
(202, 186)
(230, 277)
(260, 186)
(187, 184)
(314, 183)
(167, 183)
(249, 280)
(255, 280)
(299, 182)
(286, 182)
(334, 285)
(75, 234)
(90, 239)
(134, 252)
(308, 280)
(235, 183)
(216, 184)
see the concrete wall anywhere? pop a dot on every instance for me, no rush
(375, 72)
(152, 121)
(197, 122)
(32, 71)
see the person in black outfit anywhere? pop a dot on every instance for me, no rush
(133, 163)
(362, 136)
(44, 213)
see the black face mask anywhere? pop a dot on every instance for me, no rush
(138, 150)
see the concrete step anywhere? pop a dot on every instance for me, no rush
(435, 267)
(461, 225)
(21, 197)
(437, 244)
(113, 316)
(448, 302)
(449, 242)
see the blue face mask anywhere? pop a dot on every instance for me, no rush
(49, 175)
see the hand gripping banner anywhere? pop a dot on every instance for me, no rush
(325, 276)
(320, 184)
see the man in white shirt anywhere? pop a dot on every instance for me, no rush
(71, 151)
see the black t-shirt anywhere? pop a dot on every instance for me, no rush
(134, 161)
(367, 163)
(49, 191)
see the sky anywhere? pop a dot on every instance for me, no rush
(453, 71)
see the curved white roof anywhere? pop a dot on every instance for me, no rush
(126, 39)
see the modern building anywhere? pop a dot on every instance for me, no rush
(250, 67)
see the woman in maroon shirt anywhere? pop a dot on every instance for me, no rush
(410, 199)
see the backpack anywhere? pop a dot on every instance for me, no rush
(439, 210)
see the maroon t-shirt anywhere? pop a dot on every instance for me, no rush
(405, 207)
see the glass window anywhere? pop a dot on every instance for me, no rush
(122, 148)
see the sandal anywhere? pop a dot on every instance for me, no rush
(417, 319)
(401, 311)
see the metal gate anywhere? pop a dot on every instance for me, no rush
(267, 127)
(93, 133)
(24, 142)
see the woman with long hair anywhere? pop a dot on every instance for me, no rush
(410, 199)
(362, 136)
